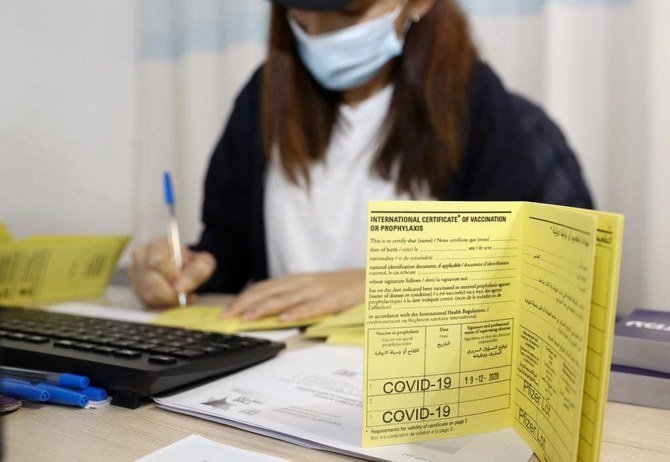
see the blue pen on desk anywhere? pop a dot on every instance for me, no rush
(173, 230)
(94, 393)
(63, 396)
(62, 379)
(23, 390)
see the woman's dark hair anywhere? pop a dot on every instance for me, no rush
(426, 122)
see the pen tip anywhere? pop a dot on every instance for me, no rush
(167, 187)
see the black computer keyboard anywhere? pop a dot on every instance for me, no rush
(130, 360)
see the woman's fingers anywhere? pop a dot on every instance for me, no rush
(312, 309)
(148, 277)
(278, 304)
(152, 287)
(157, 281)
(339, 291)
(158, 256)
(198, 268)
(268, 297)
(300, 296)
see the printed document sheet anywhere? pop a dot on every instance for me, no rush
(312, 397)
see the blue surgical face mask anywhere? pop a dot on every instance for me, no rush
(349, 57)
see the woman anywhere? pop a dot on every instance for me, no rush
(358, 100)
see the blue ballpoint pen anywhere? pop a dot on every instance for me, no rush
(63, 395)
(62, 379)
(94, 393)
(173, 231)
(23, 390)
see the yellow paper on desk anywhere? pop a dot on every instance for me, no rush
(208, 318)
(52, 268)
(351, 317)
(345, 328)
(478, 318)
(5, 236)
(347, 336)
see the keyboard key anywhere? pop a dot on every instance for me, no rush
(162, 359)
(188, 354)
(142, 346)
(223, 346)
(178, 343)
(121, 343)
(83, 346)
(103, 349)
(64, 343)
(207, 349)
(196, 334)
(128, 354)
(36, 339)
(60, 333)
(104, 340)
(16, 336)
(246, 343)
(162, 350)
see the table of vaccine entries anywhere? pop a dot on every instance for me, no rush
(57, 433)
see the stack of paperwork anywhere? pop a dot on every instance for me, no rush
(208, 318)
(345, 328)
(51, 268)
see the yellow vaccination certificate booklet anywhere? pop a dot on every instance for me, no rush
(51, 268)
(486, 315)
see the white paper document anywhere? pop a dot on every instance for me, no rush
(312, 397)
(145, 317)
(196, 448)
(103, 311)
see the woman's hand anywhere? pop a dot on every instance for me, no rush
(300, 296)
(157, 281)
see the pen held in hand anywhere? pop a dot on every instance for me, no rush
(173, 231)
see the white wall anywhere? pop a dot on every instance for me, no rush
(602, 74)
(656, 269)
(67, 115)
(180, 128)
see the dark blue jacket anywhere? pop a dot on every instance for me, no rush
(514, 152)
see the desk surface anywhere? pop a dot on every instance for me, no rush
(55, 433)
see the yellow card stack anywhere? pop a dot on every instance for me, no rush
(345, 328)
(5, 236)
(208, 318)
(52, 268)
